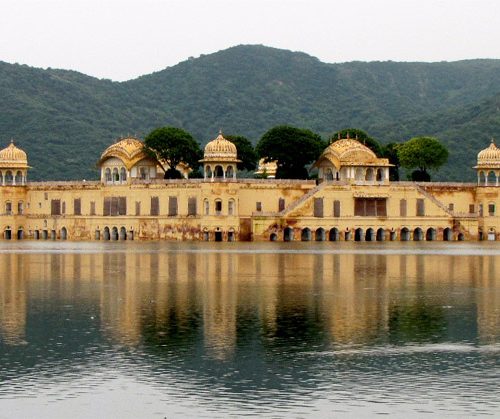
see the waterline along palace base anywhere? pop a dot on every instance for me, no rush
(352, 200)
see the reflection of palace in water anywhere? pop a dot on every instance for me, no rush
(344, 298)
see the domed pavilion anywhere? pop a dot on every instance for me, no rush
(348, 160)
(13, 166)
(488, 166)
(220, 159)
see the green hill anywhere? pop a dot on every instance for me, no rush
(64, 119)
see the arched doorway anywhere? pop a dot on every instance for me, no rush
(380, 235)
(492, 235)
(123, 233)
(97, 235)
(319, 235)
(347, 235)
(273, 237)
(206, 235)
(430, 235)
(305, 235)
(218, 172)
(447, 234)
(106, 235)
(45, 235)
(418, 234)
(114, 233)
(218, 235)
(358, 235)
(333, 236)
(460, 237)
(370, 235)
(288, 234)
(404, 234)
(230, 235)
(36, 235)
(7, 234)
(64, 233)
(20, 234)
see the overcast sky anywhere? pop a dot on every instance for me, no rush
(123, 39)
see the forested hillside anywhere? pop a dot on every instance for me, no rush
(64, 119)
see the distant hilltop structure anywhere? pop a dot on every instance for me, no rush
(352, 200)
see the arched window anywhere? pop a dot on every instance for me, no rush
(380, 175)
(230, 207)
(116, 176)
(107, 175)
(206, 207)
(9, 179)
(218, 207)
(229, 172)
(123, 175)
(19, 178)
(328, 174)
(8, 208)
(481, 178)
(208, 171)
(359, 174)
(1, 178)
(491, 179)
(218, 172)
(369, 174)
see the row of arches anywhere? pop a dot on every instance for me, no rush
(370, 234)
(45, 234)
(115, 175)
(114, 234)
(219, 235)
(488, 178)
(220, 172)
(218, 208)
(10, 178)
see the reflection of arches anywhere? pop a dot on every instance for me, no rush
(333, 236)
(358, 235)
(418, 234)
(430, 235)
(64, 233)
(273, 237)
(114, 233)
(370, 235)
(305, 235)
(123, 233)
(380, 235)
(288, 234)
(319, 235)
(447, 234)
(106, 235)
(404, 234)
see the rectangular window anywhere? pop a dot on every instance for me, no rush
(420, 207)
(402, 208)
(155, 206)
(46, 196)
(258, 206)
(230, 207)
(370, 207)
(318, 207)
(281, 204)
(115, 205)
(92, 207)
(137, 208)
(336, 208)
(55, 207)
(77, 206)
(472, 208)
(20, 208)
(218, 207)
(8, 208)
(480, 210)
(451, 206)
(192, 205)
(172, 206)
(491, 209)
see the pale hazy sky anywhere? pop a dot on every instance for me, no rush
(123, 39)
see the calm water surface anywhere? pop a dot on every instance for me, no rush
(259, 329)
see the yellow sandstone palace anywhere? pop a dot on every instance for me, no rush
(352, 200)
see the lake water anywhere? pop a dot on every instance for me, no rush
(166, 329)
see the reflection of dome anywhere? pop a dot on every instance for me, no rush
(13, 157)
(220, 149)
(128, 150)
(489, 157)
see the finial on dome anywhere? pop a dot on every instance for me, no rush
(12, 141)
(220, 131)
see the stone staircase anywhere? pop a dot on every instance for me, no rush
(302, 199)
(433, 199)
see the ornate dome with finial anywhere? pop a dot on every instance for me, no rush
(129, 150)
(489, 157)
(13, 157)
(220, 150)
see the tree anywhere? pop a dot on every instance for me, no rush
(361, 136)
(423, 154)
(172, 146)
(292, 147)
(246, 152)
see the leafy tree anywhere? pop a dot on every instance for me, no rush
(292, 147)
(361, 136)
(422, 153)
(171, 146)
(246, 152)
(390, 151)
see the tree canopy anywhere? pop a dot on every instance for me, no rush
(423, 154)
(292, 147)
(361, 136)
(171, 145)
(246, 152)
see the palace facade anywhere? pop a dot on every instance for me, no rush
(353, 199)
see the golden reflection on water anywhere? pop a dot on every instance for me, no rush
(356, 298)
